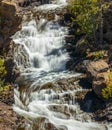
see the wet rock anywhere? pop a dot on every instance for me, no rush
(106, 113)
(42, 123)
(21, 58)
(48, 14)
(21, 81)
(62, 84)
(69, 83)
(48, 85)
(81, 66)
(26, 3)
(80, 95)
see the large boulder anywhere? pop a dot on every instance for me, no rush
(10, 21)
(100, 82)
(96, 67)
(97, 72)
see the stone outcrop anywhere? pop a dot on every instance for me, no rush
(10, 23)
(97, 72)
(105, 113)
(8, 117)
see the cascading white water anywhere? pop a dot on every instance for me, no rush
(44, 45)
(41, 56)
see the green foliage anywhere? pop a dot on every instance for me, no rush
(96, 55)
(3, 87)
(85, 14)
(3, 71)
(107, 91)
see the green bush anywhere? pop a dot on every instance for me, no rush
(96, 55)
(3, 86)
(107, 91)
(3, 72)
(86, 15)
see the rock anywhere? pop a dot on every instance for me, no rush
(97, 73)
(12, 72)
(81, 65)
(108, 110)
(106, 113)
(23, 82)
(7, 121)
(48, 14)
(81, 47)
(48, 85)
(43, 123)
(96, 67)
(10, 22)
(25, 3)
(100, 82)
(70, 39)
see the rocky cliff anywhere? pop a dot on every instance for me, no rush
(10, 23)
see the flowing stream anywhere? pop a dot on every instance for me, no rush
(42, 57)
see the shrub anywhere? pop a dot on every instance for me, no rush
(85, 15)
(4, 87)
(3, 72)
(107, 91)
(96, 55)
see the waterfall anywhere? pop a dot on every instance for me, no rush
(44, 45)
(41, 56)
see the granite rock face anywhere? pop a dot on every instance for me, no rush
(10, 21)
(97, 72)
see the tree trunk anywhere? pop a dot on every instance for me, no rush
(94, 31)
(101, 22)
